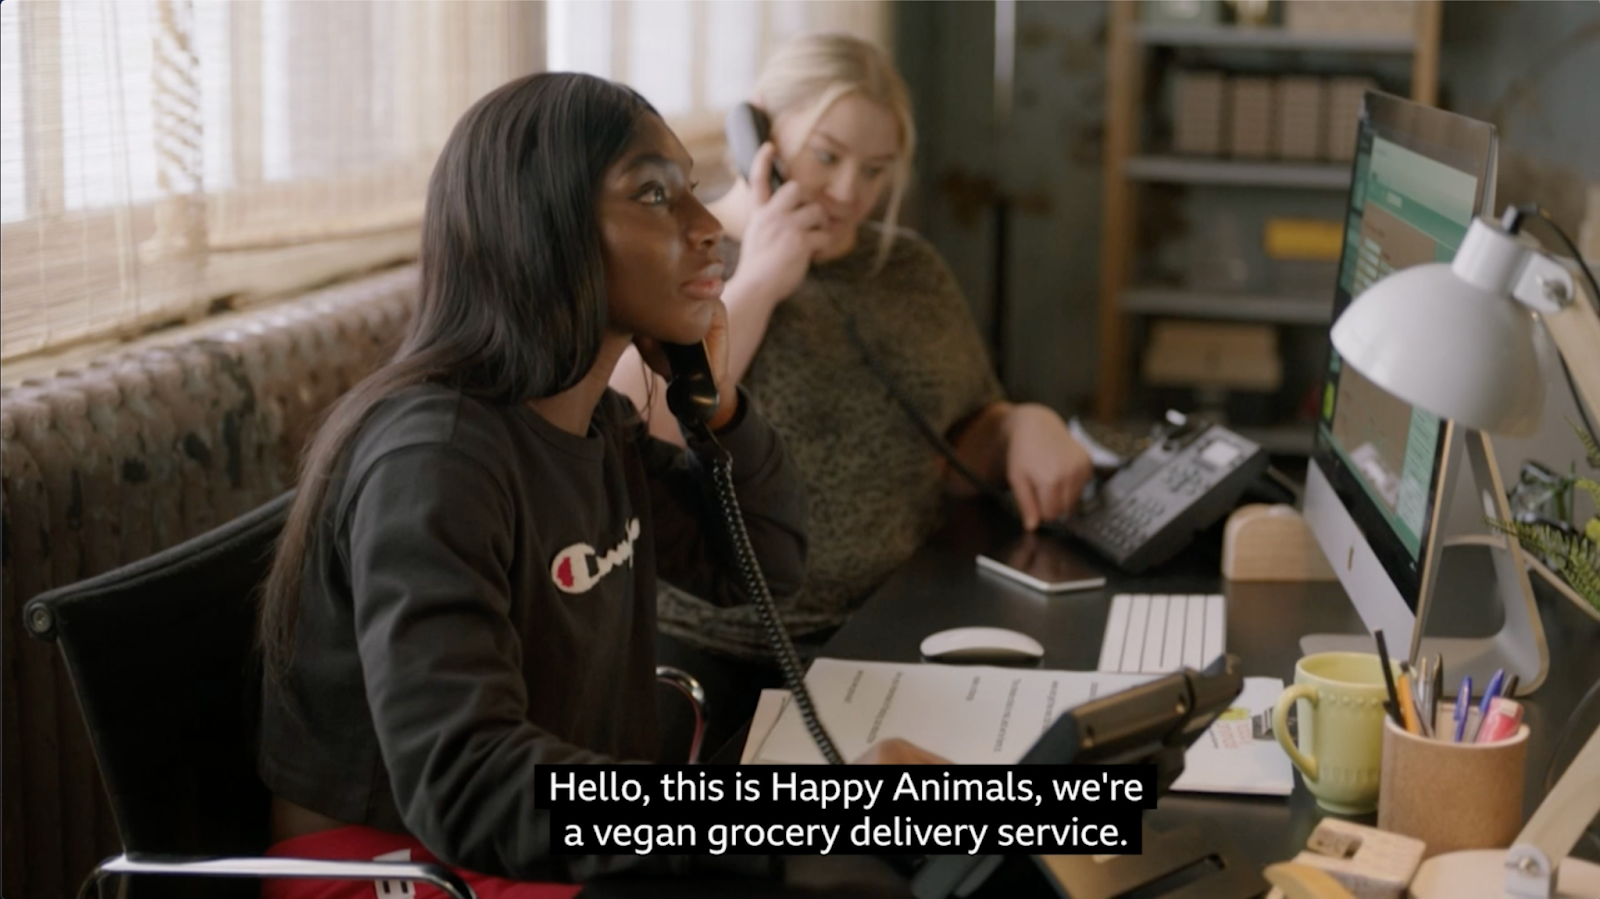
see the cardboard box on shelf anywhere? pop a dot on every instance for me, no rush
(1343, 101)
(1299, 117)
(1198, 112)
(1211, 354)
(1373, 17)
(1250, 116)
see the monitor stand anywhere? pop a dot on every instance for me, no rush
(1519, 647)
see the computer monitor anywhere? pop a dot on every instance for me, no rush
(1383, 471)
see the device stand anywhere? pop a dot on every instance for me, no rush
(1519, 647)
(1198, 862)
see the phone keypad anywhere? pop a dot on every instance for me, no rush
(1127, 526)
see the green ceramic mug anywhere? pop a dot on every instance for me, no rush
(1340, 696)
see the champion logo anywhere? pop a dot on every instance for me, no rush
(572, 572)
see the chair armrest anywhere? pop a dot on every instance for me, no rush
(433, 874)
(685, 683)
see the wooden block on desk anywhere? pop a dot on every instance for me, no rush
(1272, 543)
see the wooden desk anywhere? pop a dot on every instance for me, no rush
(943, 588)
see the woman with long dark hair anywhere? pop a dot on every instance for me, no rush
(466, 586)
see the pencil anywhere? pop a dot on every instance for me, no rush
(1407, 710)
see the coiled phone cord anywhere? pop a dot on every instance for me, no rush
(756, 584)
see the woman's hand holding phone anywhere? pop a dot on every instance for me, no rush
(785, 231)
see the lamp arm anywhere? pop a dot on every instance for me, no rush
(1558, 823)
(1549, 288)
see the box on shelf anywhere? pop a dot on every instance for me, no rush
(1299, 117)
(1198, 112)
(1250, 116)
(1343, 101)
(1298, 278)
(1395, 18)
(1181, 12)
(1210, 354)
(1316, 240)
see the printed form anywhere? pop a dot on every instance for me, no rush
(977, 715)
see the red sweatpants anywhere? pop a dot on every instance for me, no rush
(367, 844)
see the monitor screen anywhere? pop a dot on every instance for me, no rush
(1419, 178)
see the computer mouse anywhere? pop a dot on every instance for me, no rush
(993, 645)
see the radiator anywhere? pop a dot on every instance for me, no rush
(128, 456)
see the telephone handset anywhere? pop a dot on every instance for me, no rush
(748, 128)
(693, 398)
(692, 394)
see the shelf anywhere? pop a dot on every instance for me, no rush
(1270, 38)
(1185, 170)
(1236, 306)
(1298, 439)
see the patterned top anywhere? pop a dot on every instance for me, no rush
(872, 479)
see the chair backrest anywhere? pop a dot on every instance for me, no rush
(162, 658)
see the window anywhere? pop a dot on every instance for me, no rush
(157, 156)
(692, 59)
(160, 154)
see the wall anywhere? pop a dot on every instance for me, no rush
(1047, 167)
(1531, 68)
(1528, 66)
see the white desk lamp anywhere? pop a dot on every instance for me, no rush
(1466, 341)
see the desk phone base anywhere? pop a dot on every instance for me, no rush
(1150, 509)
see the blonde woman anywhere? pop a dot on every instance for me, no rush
(813, 282)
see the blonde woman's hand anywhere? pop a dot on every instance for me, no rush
(785, 231)
(1045, 467)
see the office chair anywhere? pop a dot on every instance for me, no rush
(162, 658)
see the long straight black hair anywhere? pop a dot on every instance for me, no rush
(512, 302)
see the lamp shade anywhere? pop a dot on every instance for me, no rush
(1446, 339)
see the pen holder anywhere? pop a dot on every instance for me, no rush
(1452, 796)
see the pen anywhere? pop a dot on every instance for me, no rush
(1408, 709)
(1510, 692)
(1421, 683)
(1463, 706)
(1438, 687)
(1393, 705)
(1439, 682)
(1489, 694)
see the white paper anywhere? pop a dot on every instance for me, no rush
(974, 714)
(1238, 753)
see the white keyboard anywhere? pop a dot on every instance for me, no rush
(1159, 633)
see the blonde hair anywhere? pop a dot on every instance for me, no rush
(813, 72)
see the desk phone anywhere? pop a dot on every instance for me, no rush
(1153, 506)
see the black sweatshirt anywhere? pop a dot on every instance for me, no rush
(482, 600)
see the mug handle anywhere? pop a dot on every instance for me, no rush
(1280, 727)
